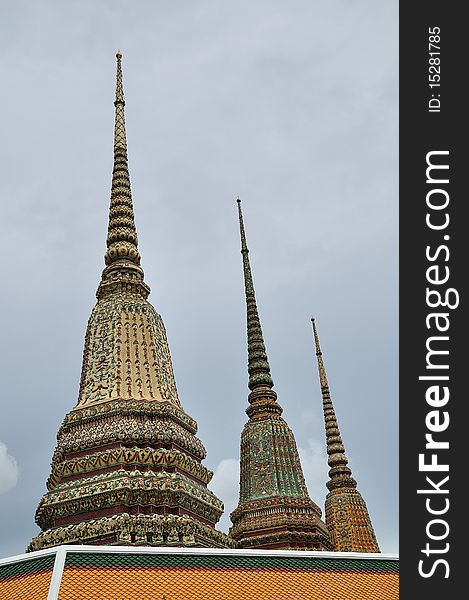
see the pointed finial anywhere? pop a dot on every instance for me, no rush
(322, 370)
(258, 364)
(119, 87)
(122, 256)
(340, 473)
(241, 223)
(244, 250)
(316, 337)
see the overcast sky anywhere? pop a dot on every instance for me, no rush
(290, 105)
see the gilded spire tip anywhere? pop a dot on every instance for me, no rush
(118, 54)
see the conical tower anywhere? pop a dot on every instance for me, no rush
(347, 516)
(274, 509)
(127, 468)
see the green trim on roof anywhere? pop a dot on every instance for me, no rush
(27, 567)
(228, 562)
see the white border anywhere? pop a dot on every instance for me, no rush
(56, 578)
(28, 556)
(62, 550)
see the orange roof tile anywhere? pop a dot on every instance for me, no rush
(115, 573)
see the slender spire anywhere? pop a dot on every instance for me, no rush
(340, 473)
(258, 364)
(274, 508)
(122, 254)
(347, 517)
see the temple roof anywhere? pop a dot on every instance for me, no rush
(72, 572)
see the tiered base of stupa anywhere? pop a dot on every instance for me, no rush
(280, 523)
(129, 472)
(134, 530)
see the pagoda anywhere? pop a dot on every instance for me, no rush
(127, 469)
(274, 509)
(347, 517)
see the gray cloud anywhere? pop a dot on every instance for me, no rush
(225, 484)
(8, 470)
(291, 106)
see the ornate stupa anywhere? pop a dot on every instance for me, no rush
(274, 509)
(127, 468)
(347, 517)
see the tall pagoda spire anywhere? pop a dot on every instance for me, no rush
(127, 468)
(340, 473)
(274, 509)
(347, 516)
(122, 257)
(258, 363)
